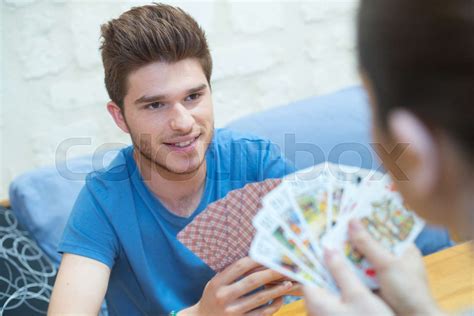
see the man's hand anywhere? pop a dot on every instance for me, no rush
(224, 294)
(403, 283)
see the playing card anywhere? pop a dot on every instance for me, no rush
(311, 199)
(269, 254)
(278, 203)
(341, 177)
(353, 182)
(242, 205)
(207, 235)
(223, 232)
(384, 215)
(266, 222)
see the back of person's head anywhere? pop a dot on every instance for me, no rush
(417, 61)
(419, 56)
(147, 34)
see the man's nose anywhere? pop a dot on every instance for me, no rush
(181, 119)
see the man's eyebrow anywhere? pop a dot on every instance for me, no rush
(196, 89)
(158, 97)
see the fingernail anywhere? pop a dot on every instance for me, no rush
(329, 254)
(287, 284)
(355, 225)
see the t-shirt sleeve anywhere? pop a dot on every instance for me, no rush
(273, 162)
(88, 232)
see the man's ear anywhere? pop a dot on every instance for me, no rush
(118, 116)
(420, 161)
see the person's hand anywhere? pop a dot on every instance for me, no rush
(356, 298)
(403, 280)
(296, 290)
(403, 283)
(224, 294)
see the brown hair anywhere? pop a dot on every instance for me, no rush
(147, 34)
(419, 55)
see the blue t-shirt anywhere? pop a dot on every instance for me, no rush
(119, 222)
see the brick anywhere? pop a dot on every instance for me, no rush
(329, 38)
(334, 74)
(256, 17)
(41, 56)
(38, 21)
(82, 93)
(85, 22)
(19, 3)
(49, 144)
(204, 12)
(242, 58)
(321, 10)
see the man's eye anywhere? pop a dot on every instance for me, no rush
(193, 97)
(155, 105)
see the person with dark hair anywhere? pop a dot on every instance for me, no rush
(120, 241)
(416, 60)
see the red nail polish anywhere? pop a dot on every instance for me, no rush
(371, 273)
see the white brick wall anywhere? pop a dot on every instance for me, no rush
(266, 53)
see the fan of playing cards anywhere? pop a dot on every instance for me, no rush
(285, 224)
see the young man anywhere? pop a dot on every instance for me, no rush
(417, 63)
(120, 241)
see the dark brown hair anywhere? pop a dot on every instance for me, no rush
(147, 34)
(419, 55)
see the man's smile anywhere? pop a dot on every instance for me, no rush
(183, 144)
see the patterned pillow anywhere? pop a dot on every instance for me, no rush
(26, 273)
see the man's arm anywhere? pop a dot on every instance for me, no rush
(80, 286)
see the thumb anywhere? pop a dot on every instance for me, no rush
(320, 302)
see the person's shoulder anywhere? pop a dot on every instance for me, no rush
(225, 136)
(231, 142)
(249, 156)
(114, 171)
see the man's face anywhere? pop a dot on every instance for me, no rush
(169, 114)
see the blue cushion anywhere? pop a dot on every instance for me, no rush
(43, 198)
(433, 239)
(334, 127)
